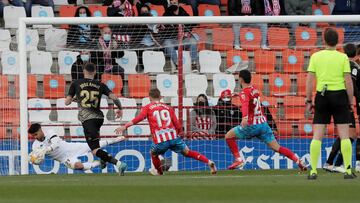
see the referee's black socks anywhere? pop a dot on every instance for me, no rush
(106, 156)
(334, 151)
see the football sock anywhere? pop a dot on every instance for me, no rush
(90, 165)
(288, 153)
(339, 160)
(106, 157)
(103, 143)
(334, 151)
(346, 150)
(157, 163)
(196, 155)
(358, 149)
(315, 148)
(231, 142)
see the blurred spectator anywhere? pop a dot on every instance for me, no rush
(138, 3)
(107, 53)
(77, 67)
(246, 8)
(202, 119)
(331, 3)
(271, 7)
(298, 7)
(171, 33)
(195, 3)
(227, 114)
(122, 8)
(29, 4)
(4, 3)
(84, 34)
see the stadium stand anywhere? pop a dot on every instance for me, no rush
(129, 62)
(5, 39)
(209, 61)
(113, 82)
(151, 65)
(278, 38)
(167, 84)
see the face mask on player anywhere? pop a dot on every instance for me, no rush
(82, 15)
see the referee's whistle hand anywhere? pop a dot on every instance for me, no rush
(310, 108)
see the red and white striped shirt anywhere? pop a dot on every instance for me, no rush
(203, 122)
(251, 105)
(164, 125)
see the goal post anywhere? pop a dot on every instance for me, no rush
(22, 43)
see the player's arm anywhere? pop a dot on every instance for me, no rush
(105, 90)
(309, 82)
(349, 89)
(175, 121)
(309, 89)
(349, 83)
(117, 103)
(71, 94)
(245, 99)
(55, 143)
(134, 121)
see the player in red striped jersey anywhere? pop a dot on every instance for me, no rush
(253, 124)
(165, 130)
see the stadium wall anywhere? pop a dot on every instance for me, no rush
(136, 155)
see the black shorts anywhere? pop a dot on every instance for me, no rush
(92, 132)
(333, 103)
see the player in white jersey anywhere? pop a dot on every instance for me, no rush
(48, 142)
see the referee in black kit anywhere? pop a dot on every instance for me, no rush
(334, 98)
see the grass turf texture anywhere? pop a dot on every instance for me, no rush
(227, 186)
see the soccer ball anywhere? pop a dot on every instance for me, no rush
(36, 158)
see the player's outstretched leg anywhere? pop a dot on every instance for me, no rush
(274, 145)
(196, 155)
(106, 157)
(230, 138)
(104, 143)
(157, 164)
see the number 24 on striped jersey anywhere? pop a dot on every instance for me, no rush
(163, 115)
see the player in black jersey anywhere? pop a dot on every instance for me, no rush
(350, 50)
(88, 92)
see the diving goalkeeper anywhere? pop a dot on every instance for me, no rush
(49, 143)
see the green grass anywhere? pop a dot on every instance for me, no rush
(181, 187)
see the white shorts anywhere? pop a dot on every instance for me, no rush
(77, 150)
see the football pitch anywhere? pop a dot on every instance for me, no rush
(181, 187)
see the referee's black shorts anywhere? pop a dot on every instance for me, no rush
(92, 132)
(333, 103)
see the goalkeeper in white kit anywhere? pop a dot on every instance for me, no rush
(49, 143)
